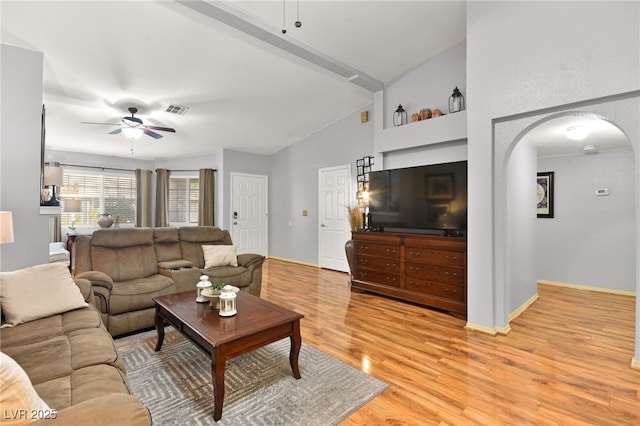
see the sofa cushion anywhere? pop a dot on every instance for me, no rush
(136, 294)
(18, 394)
(124, 254)
(167, 244)
(220, 255)
(38, 292)
(192, 238)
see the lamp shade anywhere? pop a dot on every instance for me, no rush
(6, 227)
(52, 175)
(72, 206)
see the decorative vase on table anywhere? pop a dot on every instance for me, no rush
(105, 220)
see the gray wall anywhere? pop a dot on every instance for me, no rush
(521, 197)
(591, 239)
(521, 59)
(294, 184)
(20, 158)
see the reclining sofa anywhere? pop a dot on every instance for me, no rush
(58, 362)
(128, 267)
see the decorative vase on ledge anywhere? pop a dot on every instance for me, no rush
(105, 220)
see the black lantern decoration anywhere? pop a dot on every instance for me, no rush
(456, 101)
(400, 117)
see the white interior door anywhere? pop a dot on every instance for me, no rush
(249, 213)
(334, 229)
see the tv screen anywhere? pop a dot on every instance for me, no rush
(423, 199)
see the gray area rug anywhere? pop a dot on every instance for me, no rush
(175, 384)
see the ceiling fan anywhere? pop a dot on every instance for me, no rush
(133, 127)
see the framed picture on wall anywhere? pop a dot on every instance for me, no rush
(545, 195)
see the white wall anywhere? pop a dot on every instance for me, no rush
(523, 57)
(521, 206)
(593, 237)
(20, 158)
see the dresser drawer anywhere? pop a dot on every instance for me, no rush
(379, 277)
(435, 257)
(435, 273)
(449, 291)
(379, 263)
(372, 249)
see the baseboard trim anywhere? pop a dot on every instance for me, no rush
(635, 363)
(284, 259)
(488, 330)
(587, 288)
(515, 314)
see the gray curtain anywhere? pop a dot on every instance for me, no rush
(143, 198)
(206, 182)
(162, 197)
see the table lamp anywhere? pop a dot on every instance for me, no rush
(52, 177)
(72, 206)
(6, 227)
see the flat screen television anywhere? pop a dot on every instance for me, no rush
(429, 199)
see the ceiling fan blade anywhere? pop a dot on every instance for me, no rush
(162, 129)
(151, 133)
(102, 124)
(116, 131)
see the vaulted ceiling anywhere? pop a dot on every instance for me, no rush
(247, 86)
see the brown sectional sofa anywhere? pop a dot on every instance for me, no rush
(128, 267)
(74, 367)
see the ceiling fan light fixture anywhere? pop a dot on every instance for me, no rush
(132, 132)
(577, 133)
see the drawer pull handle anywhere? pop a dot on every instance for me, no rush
(364, 261)
(414, 268)
(413, 285)
(451, 259)
(450, 275)
(391, 266)
(363, 274)
(364, 248)
(391, 251)
(391, 280)
(414, 254)
(450, 292)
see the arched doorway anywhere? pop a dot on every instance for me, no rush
(508, 132)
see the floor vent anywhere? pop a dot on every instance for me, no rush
(177, 109)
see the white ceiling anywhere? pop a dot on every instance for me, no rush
(243, 93)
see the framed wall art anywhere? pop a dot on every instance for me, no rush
(545, 195)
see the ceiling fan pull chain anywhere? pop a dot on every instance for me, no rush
(298, 21)
(284, 27)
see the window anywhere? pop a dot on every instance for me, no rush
(183, 199)
(114, 194)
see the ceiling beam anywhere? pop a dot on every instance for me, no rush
(223, 12)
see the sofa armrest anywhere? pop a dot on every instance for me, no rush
(85, 288)
(115, 409)
(97, 278)
(250, 259)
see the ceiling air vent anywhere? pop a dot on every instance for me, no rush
(177, 109)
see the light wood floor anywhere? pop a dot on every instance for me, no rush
(565, 362)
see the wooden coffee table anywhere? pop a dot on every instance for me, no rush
(256, 324)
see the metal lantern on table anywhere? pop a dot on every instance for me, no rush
(202, 284)
(456, 101)
(400, 116)
(228, 301)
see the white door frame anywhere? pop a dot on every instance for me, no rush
(346, 167)
(233, 176)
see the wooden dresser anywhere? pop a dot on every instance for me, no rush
(424, 269)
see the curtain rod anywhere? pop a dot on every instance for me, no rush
(122, 170)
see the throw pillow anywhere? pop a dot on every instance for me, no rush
(19, 401)
(219, 255)
(38, 292)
